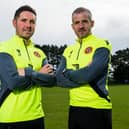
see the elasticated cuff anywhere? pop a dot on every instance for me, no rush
(28, 71)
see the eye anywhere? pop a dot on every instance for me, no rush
(85, 21)
(24, 20)
(33, 21)
(76, 22)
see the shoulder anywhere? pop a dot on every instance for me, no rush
(39, 51)
(100, 42)
(5, 46)
(69, 49)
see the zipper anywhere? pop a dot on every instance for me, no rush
(30, 64)
(79, 49)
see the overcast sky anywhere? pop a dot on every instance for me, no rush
(54, 20)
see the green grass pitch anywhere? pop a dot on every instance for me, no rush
(55, 104)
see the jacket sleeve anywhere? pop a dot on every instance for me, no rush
(61, 80)
(75, 78)
(9, 73)
(44, 80)
(9, 78)
(94, 70)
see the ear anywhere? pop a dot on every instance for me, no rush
(92, 23)
(14, 22)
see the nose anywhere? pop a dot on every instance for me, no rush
(28, 23)
(81, 25)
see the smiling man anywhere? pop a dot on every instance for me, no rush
(22, 74)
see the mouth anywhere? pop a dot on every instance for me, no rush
(82, 32)
(28, 31)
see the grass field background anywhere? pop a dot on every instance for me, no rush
(55, 104)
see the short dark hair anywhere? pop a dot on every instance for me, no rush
(82, 9)
(24, 8)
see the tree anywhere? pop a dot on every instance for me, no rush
(120, 66)
(53, 54)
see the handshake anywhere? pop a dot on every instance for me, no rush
(54, 60)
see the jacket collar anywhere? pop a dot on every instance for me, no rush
(85, 39)
(20, 41)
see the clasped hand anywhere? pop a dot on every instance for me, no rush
(46, 69)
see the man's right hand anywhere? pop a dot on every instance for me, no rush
(47, 69)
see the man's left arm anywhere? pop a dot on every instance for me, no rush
(94, 70)
(42, 79)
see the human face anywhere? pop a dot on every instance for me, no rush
(82, 24)
(25, 24)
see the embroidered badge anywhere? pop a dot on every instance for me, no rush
(37, 54)
(88, 50)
